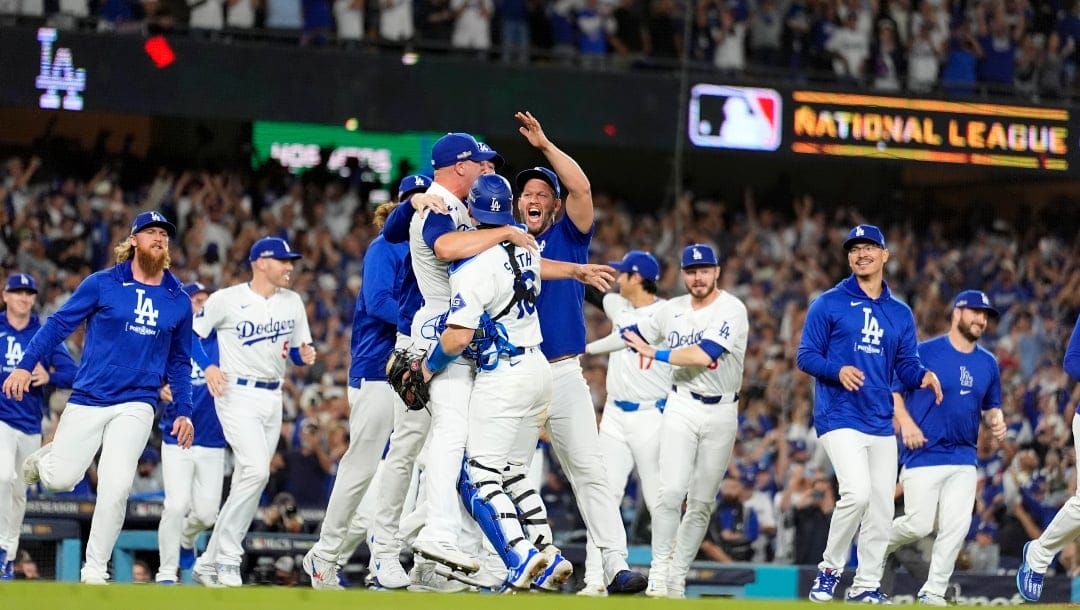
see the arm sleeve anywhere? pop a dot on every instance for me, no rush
(435, 226)
(396, 229)
(179, 365)
(63, 367)
(379, 281)
(62, 323)
(198, 352)
(812, 357)
(1072, 353)
(605, 345)
(712, 348)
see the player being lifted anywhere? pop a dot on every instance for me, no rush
(705, 332)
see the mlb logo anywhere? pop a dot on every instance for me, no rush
(740, 118)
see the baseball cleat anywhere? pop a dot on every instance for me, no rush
(323, 574)
(527, 571)
(593, 589)
(825, 585)
(1028, 582)
(871, 596)
(388, 573)
(228, 575)
(205, 576)
(480, 580)
(558, 570)
(627, 582)
(446, 554)
(31, 473)
(424, 578)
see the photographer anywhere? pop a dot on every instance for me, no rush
(281, 516)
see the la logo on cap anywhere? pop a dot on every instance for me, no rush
(419, 181)
(859, 231)
(697, 254)
(495, 206)
(156, 217)
(25, 281)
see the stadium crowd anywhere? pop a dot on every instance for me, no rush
(1027, 48)
(779, 249)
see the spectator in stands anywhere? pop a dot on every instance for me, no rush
(148, 481)
(140, 572)
(850, 49)
(307, 467)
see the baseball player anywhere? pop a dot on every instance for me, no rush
(1065, 526)
(193, 477)
(637, 389)
(512, 389)
(371, 399)
(20, 421)
(571, 423)
(856, 338)
(138, 336)
(705, 335)
(259, 325)
(938, 453)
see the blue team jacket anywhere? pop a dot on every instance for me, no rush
(376, 316)
(877, 336)
(25, 415)
(137, 338)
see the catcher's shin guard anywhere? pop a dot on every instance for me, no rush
(492, 509)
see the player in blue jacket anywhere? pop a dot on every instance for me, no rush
(938, 441)
(1039, 553)
(20, 421)
(138, 337)
(193, 477)
(857, 337)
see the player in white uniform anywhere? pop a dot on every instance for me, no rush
(705, 335)
(259, 325)
(495, 291)
(637, 389)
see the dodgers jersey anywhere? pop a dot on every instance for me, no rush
(971, 384)
(376, 315)
(723, 322)
(431, 273)
(485, 283)
(25, 415)
(137, 337)
(560, 307)
(632, 376)
(846, 327)
(204, 417)
(254, 333)
(1072, 356)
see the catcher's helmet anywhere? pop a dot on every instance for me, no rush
(491, 200)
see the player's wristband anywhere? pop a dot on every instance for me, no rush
(663, 355)
(439, 359)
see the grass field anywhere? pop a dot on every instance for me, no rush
(49, 595)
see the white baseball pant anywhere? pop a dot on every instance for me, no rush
(865, 466)
(251, 420)
(695, 446)
(628, 439)
(572, 428)
(1063, 529)
(397, 479)
(445, 514)
(193, 479)
(941, 496)
(371, 419)
(15, 447)
(120, 431)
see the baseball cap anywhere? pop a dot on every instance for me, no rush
(146, 220)
(497, 160)
(21, 281)
(150, 456)
(412, 184)
(454, 147)
(540, 173)
(796, 444)
(637, 261)
(698, 255)
(272, 247)
(975, 299)
(491, 201)
(868, 234)
(195, 288)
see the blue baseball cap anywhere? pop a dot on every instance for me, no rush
(699, 255)
(866, 234)
(272, 247)
(642, 263)
(412, 184)
(152, 219)
(491, 201)
(975, 299)
(497, 160)
(21, 281)
(195, 288)
(540, 173)
(454, 147)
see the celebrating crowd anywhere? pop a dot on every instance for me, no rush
(774, 254)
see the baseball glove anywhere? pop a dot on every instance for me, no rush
(405, 373)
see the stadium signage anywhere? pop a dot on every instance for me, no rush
(856, 125)
(57, 72)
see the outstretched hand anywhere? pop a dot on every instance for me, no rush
(17, 382)
(530, 128)
(600, 277)
(930, 380)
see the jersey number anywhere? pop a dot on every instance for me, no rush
(525, 308)
(644, 362)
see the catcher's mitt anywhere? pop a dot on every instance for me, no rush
(405, 373)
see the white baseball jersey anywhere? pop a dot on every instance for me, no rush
(254, 333)
(431, 273)
(632, 376)
(485, 283)
(724, 322)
